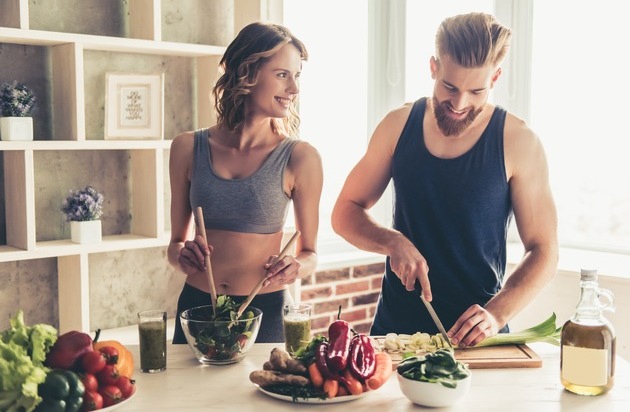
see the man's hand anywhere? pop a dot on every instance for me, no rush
(473, 326)
(410, 266)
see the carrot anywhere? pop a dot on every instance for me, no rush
(316, 376)
(351, 383)
(342, 391)
(331, 387)
(382, 371)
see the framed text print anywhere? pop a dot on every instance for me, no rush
(134, 106)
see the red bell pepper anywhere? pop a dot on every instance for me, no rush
(68, 348)
(320, 361)
(339, 350)
(362, 357)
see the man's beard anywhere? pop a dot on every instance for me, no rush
(448, 125)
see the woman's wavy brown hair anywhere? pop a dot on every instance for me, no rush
(240, 65)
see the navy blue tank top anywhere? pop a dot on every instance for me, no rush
(456, 212)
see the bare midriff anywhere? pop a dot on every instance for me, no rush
(238, 261)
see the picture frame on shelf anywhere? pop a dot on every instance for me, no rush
(134, 106)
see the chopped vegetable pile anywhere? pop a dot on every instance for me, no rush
(417, 343)
(420, 343)
(436, 367)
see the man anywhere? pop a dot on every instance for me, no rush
(461, 168)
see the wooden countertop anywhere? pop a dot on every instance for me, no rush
(187, 385)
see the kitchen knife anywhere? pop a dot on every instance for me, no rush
(436, 320)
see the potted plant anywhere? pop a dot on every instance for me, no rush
(17, 105)
(83, 209)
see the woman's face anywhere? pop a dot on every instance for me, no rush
(277, 84)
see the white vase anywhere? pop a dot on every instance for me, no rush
(86, 232)
(16, 128)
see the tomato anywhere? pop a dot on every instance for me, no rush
(127, 386)
(93, 362)
(242, 340)
(125, 363)
(89, 381)
(92, 401)
(111, 395)
(111, 354)
(108, 375)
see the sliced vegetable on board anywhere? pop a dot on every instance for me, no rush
(543, 332)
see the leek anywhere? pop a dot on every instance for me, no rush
(543, 332)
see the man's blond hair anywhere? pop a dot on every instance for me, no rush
(473, 40)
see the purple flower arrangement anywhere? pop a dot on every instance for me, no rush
(83, 205)
(16, 100)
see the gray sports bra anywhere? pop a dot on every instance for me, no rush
(254, 204)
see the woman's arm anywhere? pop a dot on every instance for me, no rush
(182, 223)
(303, 180)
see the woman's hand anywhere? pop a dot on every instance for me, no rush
(192, 257)
(283, 272)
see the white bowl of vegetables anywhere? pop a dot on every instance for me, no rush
(436, 379)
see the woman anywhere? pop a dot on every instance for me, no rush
(244, 171)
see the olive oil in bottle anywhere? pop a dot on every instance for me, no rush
(587, 343)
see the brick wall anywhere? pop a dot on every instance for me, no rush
(356, 289)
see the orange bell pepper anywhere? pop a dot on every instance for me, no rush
(125, 358)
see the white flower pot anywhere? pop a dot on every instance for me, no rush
(86, 232)
(16, 128)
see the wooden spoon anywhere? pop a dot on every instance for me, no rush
(201, 228)
(259, 286)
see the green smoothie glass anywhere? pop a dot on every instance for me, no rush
(152, 331)
(297, 326)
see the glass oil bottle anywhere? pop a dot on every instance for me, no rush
(587, 343)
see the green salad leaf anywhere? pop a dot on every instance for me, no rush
(436, 367)
(23, 350)
(225, 336)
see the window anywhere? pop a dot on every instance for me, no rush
(422, 22)
(333, 93)
(568, 84)
(579, 109)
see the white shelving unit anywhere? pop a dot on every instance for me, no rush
(68, 103)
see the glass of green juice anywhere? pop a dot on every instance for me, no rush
(297, 326)
(152, 331)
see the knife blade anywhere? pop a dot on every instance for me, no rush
(436, 320)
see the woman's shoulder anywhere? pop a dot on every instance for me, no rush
(183, 146)
(185, 140)
(303, 148)
(304, 154)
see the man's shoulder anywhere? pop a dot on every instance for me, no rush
(517, 128)
(399, 115)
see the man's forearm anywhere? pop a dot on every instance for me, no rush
(354, 224)
(530, 276)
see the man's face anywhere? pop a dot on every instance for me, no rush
(459, 94)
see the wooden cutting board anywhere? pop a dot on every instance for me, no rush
(504, 356)
(493, 357)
